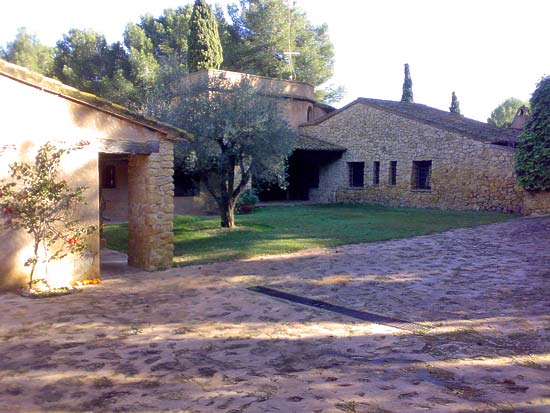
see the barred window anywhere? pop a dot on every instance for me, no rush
(393, 173)
(356, 174)
(422, 175)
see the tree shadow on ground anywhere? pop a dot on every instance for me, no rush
(195, 339)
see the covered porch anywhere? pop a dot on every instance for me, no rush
(310, 155)
(135, 180)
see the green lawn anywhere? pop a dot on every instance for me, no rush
(280, 229)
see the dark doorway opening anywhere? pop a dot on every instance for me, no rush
(303, 174)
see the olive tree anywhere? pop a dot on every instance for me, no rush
(238, 133)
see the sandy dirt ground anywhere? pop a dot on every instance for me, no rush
(195, 339)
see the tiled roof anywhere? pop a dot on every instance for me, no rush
(438, 118)
(307, 143)
(23, 75)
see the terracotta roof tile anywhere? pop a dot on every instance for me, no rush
(438, 118)
(307, 143)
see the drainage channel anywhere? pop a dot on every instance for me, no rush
(360, 315)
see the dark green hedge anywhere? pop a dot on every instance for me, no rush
(533, 153)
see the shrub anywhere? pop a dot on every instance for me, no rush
(37, 201)
(533, 153)
(246, 200)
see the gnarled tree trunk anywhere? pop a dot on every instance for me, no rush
(227, 212)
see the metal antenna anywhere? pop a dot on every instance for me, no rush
(290, 53)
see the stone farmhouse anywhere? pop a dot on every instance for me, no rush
(36, 110)
(408, 154)
(384, 152)
(376, 151)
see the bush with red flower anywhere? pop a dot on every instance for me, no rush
(36, 201)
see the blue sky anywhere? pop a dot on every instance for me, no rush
(485, 50)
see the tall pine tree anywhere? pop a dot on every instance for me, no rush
(533, 153)
(407, 86)
(455, 105)
(205, 50)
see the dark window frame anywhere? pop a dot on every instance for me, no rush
(422, 175)
(186, 185)
(309, 115)
(392, 178)
(376, 173)
(108, 177)
(356, 174)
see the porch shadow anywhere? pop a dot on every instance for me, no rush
(114, 263)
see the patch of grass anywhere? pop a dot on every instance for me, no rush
(281, 229)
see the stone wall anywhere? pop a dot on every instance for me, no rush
(466, 174)
(295, 99)
(151, 209)
(267, 85)
(536, 203)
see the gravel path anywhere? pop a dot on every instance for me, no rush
(195, 339)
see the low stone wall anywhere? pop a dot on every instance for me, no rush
(201, 204)
(536, 202)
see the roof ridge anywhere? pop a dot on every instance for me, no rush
(461, 124)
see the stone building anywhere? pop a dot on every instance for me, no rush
(296, 101)
(36, 110)
(522, 115)
(408, 154)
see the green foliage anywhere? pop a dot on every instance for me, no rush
(238, 133)
(167, 33)
(140, 73)
(533, 151)
(36, 201)
(258, 35)
(283, 229)
(455, 105)
(247, 197)
(84, 60)
(205, 50)
(157, 54)
(330, 94)
(504, 114)
(144, 66)
(26, 50)
(407, 86)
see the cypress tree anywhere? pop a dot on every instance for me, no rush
(455, 105)
(533, 152)
(204, 46)
(407, 86)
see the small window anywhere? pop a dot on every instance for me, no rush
(376, 173)
(422, 175)
(309, 113)
(356, 174)
(393, 173)
(108, 176)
